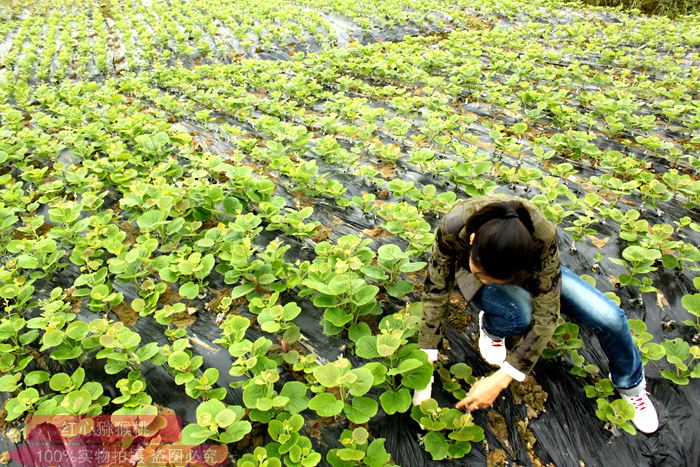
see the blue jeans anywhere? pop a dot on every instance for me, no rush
(508, 311)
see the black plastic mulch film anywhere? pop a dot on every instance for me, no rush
(567, 433)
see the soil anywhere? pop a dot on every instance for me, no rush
(317, 425)
(131, 231)
(126, 314)
(459, 317)
(186, 318)
(219, 295)
(499, 427)
(169, 297)
(531, 394)
(322, 234)
(388, 170)
(497, 457)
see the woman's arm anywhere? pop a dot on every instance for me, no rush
(441, 275)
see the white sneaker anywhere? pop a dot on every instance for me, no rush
(645, 417)
(493, 351)
(420, 395)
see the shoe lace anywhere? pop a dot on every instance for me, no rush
(639, 401)
(497, 342)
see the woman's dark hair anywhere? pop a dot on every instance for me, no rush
(503, 244)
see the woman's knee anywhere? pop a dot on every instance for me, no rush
(510, 311)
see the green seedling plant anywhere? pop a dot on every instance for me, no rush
(276, 318)
(618, 413)
(639, 261)
(185, 366)
(263, 400)
(259, 458)
(404, 220)
(642, 339)
(15, 338)
(460, 427)
(398, 367)
(288, 444)
(565, 340)
(133, 397)
(691, 302)
(358, 450)
(429, 200)
(251, 358)
(335, 283)
(216, 422)
(42, 257)
(391, 263)
(453, 380)
(685, 360)
(192, 267)
(120, 345)
(98, 289)
(73, 396)
(348, 386)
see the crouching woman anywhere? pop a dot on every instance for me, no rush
(502, 252)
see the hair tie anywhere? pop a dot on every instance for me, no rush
(510, 214)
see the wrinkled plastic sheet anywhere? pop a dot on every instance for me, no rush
(567, 433)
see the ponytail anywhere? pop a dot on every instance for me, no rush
(503, 244)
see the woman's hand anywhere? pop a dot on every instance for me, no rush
(485, 391)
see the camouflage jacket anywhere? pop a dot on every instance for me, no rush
(449, 263)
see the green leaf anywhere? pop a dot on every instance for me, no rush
(27, 262)
(365, 294)
(77, 330)
(361, 410)
(194, 434)
(236, 432)
(367, 347)
(179, 360)
(376, 455)
(148, 351)
(326, 405)
(359, 330)
(461, 370)
(327, 375)
(387, 344)
(378, 371)
(8, 383)
(399, 288)
(35, 377)
(60, 382)
(396, 401)
(692, 303)
(363, 382)
(296, 392)
(337, 316)
(350, 455)
(654, 351)
(436, 444)
(189, 290)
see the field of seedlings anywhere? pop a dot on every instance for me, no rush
(222, 210)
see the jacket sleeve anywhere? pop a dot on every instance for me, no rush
(438, 287)
(546, 299)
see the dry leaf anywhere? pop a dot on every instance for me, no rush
(598, 242)
(661, 301)
(375, 232)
